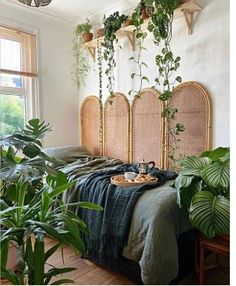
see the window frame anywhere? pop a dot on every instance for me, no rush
(30, 89)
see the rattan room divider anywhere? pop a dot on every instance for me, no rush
(193, 104)
(147, 128)
(90, 124)
(136, 131)
(116, 128)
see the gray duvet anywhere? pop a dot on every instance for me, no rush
(156, 224)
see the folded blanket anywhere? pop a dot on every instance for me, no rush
(109, 229)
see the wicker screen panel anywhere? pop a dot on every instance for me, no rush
(116, 128)
(146, 130)
(89, 119)
(193, 106)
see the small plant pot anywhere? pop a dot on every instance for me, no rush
(128, 22)
(87, 37)
(144, 14)
(100, 32)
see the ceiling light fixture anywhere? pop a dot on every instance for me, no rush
(35, 3)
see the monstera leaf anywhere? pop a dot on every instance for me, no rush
(210, 214)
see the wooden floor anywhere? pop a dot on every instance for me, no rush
(88, 273)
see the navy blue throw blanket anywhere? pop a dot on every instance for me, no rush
(109, 228)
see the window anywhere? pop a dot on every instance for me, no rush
(17, 76)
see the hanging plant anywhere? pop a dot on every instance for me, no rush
(111, 25)
(99, 64)
(167, 64)
(81, 66)
(140, 36)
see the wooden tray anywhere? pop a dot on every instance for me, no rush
(120, 181)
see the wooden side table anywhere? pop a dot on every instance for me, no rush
(219, 244)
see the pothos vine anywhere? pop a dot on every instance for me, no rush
(161, 27)
(99, 63)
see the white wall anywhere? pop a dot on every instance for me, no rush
(204, 58)
(57, 96)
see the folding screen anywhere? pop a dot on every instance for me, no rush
(193, 106)
(146, 128)
(116, 128)
(90, 118)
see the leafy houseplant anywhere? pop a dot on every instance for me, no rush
(84, 29)
(140, 36)
(31, 208)
(81, 66)
(161, 27)
(111, 25)
(203, 188)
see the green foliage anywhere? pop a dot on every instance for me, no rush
(111, 25)
(31, 207)
(140, 36)
(203, 188)
(11, 113)
(83, 28)
(167, 64)
(81, 67)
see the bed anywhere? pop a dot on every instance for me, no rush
(142, 231)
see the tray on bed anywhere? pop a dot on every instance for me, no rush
(119, 180)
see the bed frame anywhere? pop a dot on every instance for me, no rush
(136, 131)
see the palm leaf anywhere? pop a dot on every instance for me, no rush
(210, 214)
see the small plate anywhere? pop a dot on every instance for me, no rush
(120, 181)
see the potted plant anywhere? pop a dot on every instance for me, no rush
(111, 25)
(140, 36)
(84, 29)
(81, 66)
(203, 188)
(146, 7)
(31, 208)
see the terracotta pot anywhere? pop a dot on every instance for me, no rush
(100, 32)
(87, 37)
(128, 22)
(144, 14)
(12, 257)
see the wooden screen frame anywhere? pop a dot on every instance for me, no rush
(128, 124)
(84, 101)
(208, 126)
(157, 94)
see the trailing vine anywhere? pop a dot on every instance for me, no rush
(81, 66)
(140, 36)
(99, 63)
(167, 64)
(111, 25)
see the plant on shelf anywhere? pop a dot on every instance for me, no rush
(85, 30)
(111, 25)
(32, 209)
(203, 187)
(81, 66)
(140, 36)
(167, 64)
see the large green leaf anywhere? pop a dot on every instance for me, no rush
(216, 154)
(39, 259)
(217, 175)
(193, 165)
(210, 214)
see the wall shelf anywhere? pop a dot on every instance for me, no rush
(185, 10)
